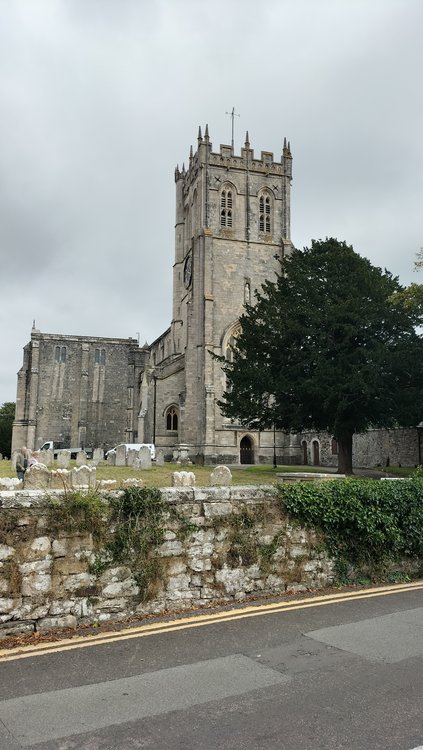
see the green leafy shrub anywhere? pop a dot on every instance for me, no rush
(364, 524)
(137, 517)
(78, 512)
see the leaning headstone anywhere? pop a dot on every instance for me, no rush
(220, 476)
(111, 459)
(83, 476)
(81, 458)
(63, 459)
(47, 457)
(98, 455)
(131, 456)
(37, 477)
(144, 458)
(160, 458)
(120, 455)
(60, 479)
(183, 479)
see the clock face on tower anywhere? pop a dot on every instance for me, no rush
(188, 271)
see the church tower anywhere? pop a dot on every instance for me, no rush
(232, 229)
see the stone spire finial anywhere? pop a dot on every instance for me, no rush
(200, 137)
(33, 325)
(206, 134)
(247, 140)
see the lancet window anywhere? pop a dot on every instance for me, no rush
(226, 208)
(172, 419)
(265, 214)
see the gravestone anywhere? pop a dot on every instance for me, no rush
(111, 459)
(160, 458)
(60, 479)
(120, 456)
(131, 457)
(37, 477)
(81, 458)
(83, 476)
(98, 455)
(220, 477)
(183, 479)
(47, 457)
(144, 458)
(63, 459)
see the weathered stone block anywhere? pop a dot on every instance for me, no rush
(36, 583)
(16, 628)
(68, 566)
(51, 623)
(121, 588)
(6, 552)
(214, 510)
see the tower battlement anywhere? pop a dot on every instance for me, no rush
(227, 159)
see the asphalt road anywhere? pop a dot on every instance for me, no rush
(318, 673)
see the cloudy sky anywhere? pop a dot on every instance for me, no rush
(100, 99)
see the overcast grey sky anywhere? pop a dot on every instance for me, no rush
(100, 99)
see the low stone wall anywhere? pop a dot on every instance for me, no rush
(223, 543)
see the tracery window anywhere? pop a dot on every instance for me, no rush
(265, 214)
(172, 419)
(100, 356)
(226, 208)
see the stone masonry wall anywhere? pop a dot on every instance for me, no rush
(210, 553)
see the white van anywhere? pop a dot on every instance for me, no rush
(134, 447)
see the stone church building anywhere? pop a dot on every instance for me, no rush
(232, 228)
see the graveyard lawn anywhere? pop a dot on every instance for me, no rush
(161, 476)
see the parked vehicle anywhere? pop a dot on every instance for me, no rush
(133, 447)
(56, 447)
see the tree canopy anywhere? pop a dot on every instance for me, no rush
(7, 415)
(330, 346)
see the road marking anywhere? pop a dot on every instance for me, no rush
(194, 621)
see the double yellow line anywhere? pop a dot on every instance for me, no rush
(199, 620)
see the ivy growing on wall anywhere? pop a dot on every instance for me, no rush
(365, 524)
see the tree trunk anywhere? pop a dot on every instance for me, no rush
(345, 454)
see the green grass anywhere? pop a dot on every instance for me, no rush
(160, 476)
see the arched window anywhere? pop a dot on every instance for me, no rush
(265, 214)
(172, 419)
(100, 356)
(60, 354)
(226, 208)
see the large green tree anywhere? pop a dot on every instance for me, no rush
(328, 346)
(7, 415)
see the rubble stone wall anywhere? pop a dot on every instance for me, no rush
(49, 579)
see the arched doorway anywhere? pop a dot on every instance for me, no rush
(246, 450)
(316, 453)
(305, 456)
